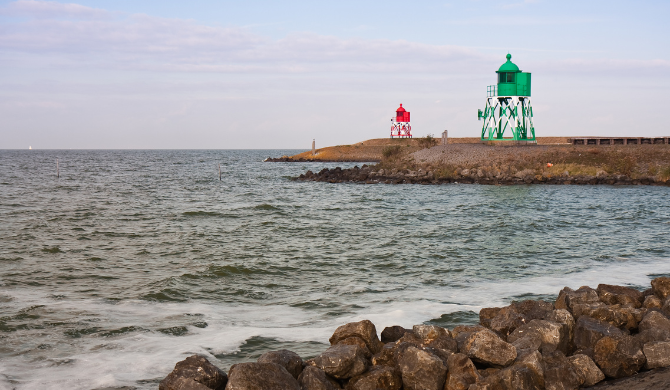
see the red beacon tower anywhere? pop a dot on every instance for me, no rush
(400, 124)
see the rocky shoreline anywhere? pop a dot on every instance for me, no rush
(373, 175)
(586, 337)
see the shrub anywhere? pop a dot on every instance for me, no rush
(391, 151)
(428, 141)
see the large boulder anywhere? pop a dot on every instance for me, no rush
(567, 322)
(533, 310)
(429, 332)
(516, 377)
(291, 361)
(392, 334)
(461, 372)
(378, 378)
(619, 295)
(385, 357)
(568, 297)
(359, 342)
(587, 369)
(434, 337)
(462, 332)
(589, 331)
(624, 317)
(487, 348)
(661, 287)
(505, 320)
(559, 373)
(487, 314)
(649, 335)
(342, 361)
(654, 320)
(619, 357)
(254, 376)
(549, 335)
(657, 354)
(665, 309)
(313, 378)
(365, 330)
(194, 373)
(652, 302)
(421, 370)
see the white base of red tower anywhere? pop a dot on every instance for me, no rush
(401, 130)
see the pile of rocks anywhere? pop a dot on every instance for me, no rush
(587, 335)
(374, 175)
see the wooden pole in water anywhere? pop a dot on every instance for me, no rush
(219, 171)
(57, 169)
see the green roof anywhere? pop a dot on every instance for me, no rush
(508, 66)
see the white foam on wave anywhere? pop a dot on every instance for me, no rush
(128, 358)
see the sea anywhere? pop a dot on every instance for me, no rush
(120, 263)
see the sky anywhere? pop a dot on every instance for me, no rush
(204, 74)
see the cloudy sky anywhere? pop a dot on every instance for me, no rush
(276, 74)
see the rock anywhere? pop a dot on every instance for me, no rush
(429, 332)
(567, 322)
(194, 373)
(527, 343)
(342, 361)
(421, 370)
(385, 357)
(619, 357)
(657, 354)
(652, 302)
(533, 310)
(568, 297)
(551, 336)
(587, 370)
(365, 330)
(447, 344)
(254, 376)
(507, 320)
(487, 314)
(461, 372)
(534, 361)
(313, 378)
(649, 335)
(462, 332)
(487, 348)
(285, 358)
(559, 373)
(589, 331)
(392, 334)
(378, 378)
(517, 377)
(661, 287)
(654, 320)
(357, 341)
(621, 317)
(619, 295)
(665, 309)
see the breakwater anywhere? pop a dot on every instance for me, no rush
(582, 338)
(376, 175)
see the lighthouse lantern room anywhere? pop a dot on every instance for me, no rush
(400, 126)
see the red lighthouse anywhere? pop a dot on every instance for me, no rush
(400, 124)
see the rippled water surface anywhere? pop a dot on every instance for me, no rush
(132, 260)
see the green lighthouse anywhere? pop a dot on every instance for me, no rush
(508, 108)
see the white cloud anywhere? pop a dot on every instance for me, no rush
(52, 9)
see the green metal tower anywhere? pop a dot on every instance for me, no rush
(508, 107)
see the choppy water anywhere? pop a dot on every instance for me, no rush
(133, 260)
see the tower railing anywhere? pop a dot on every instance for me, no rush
(491, 91)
